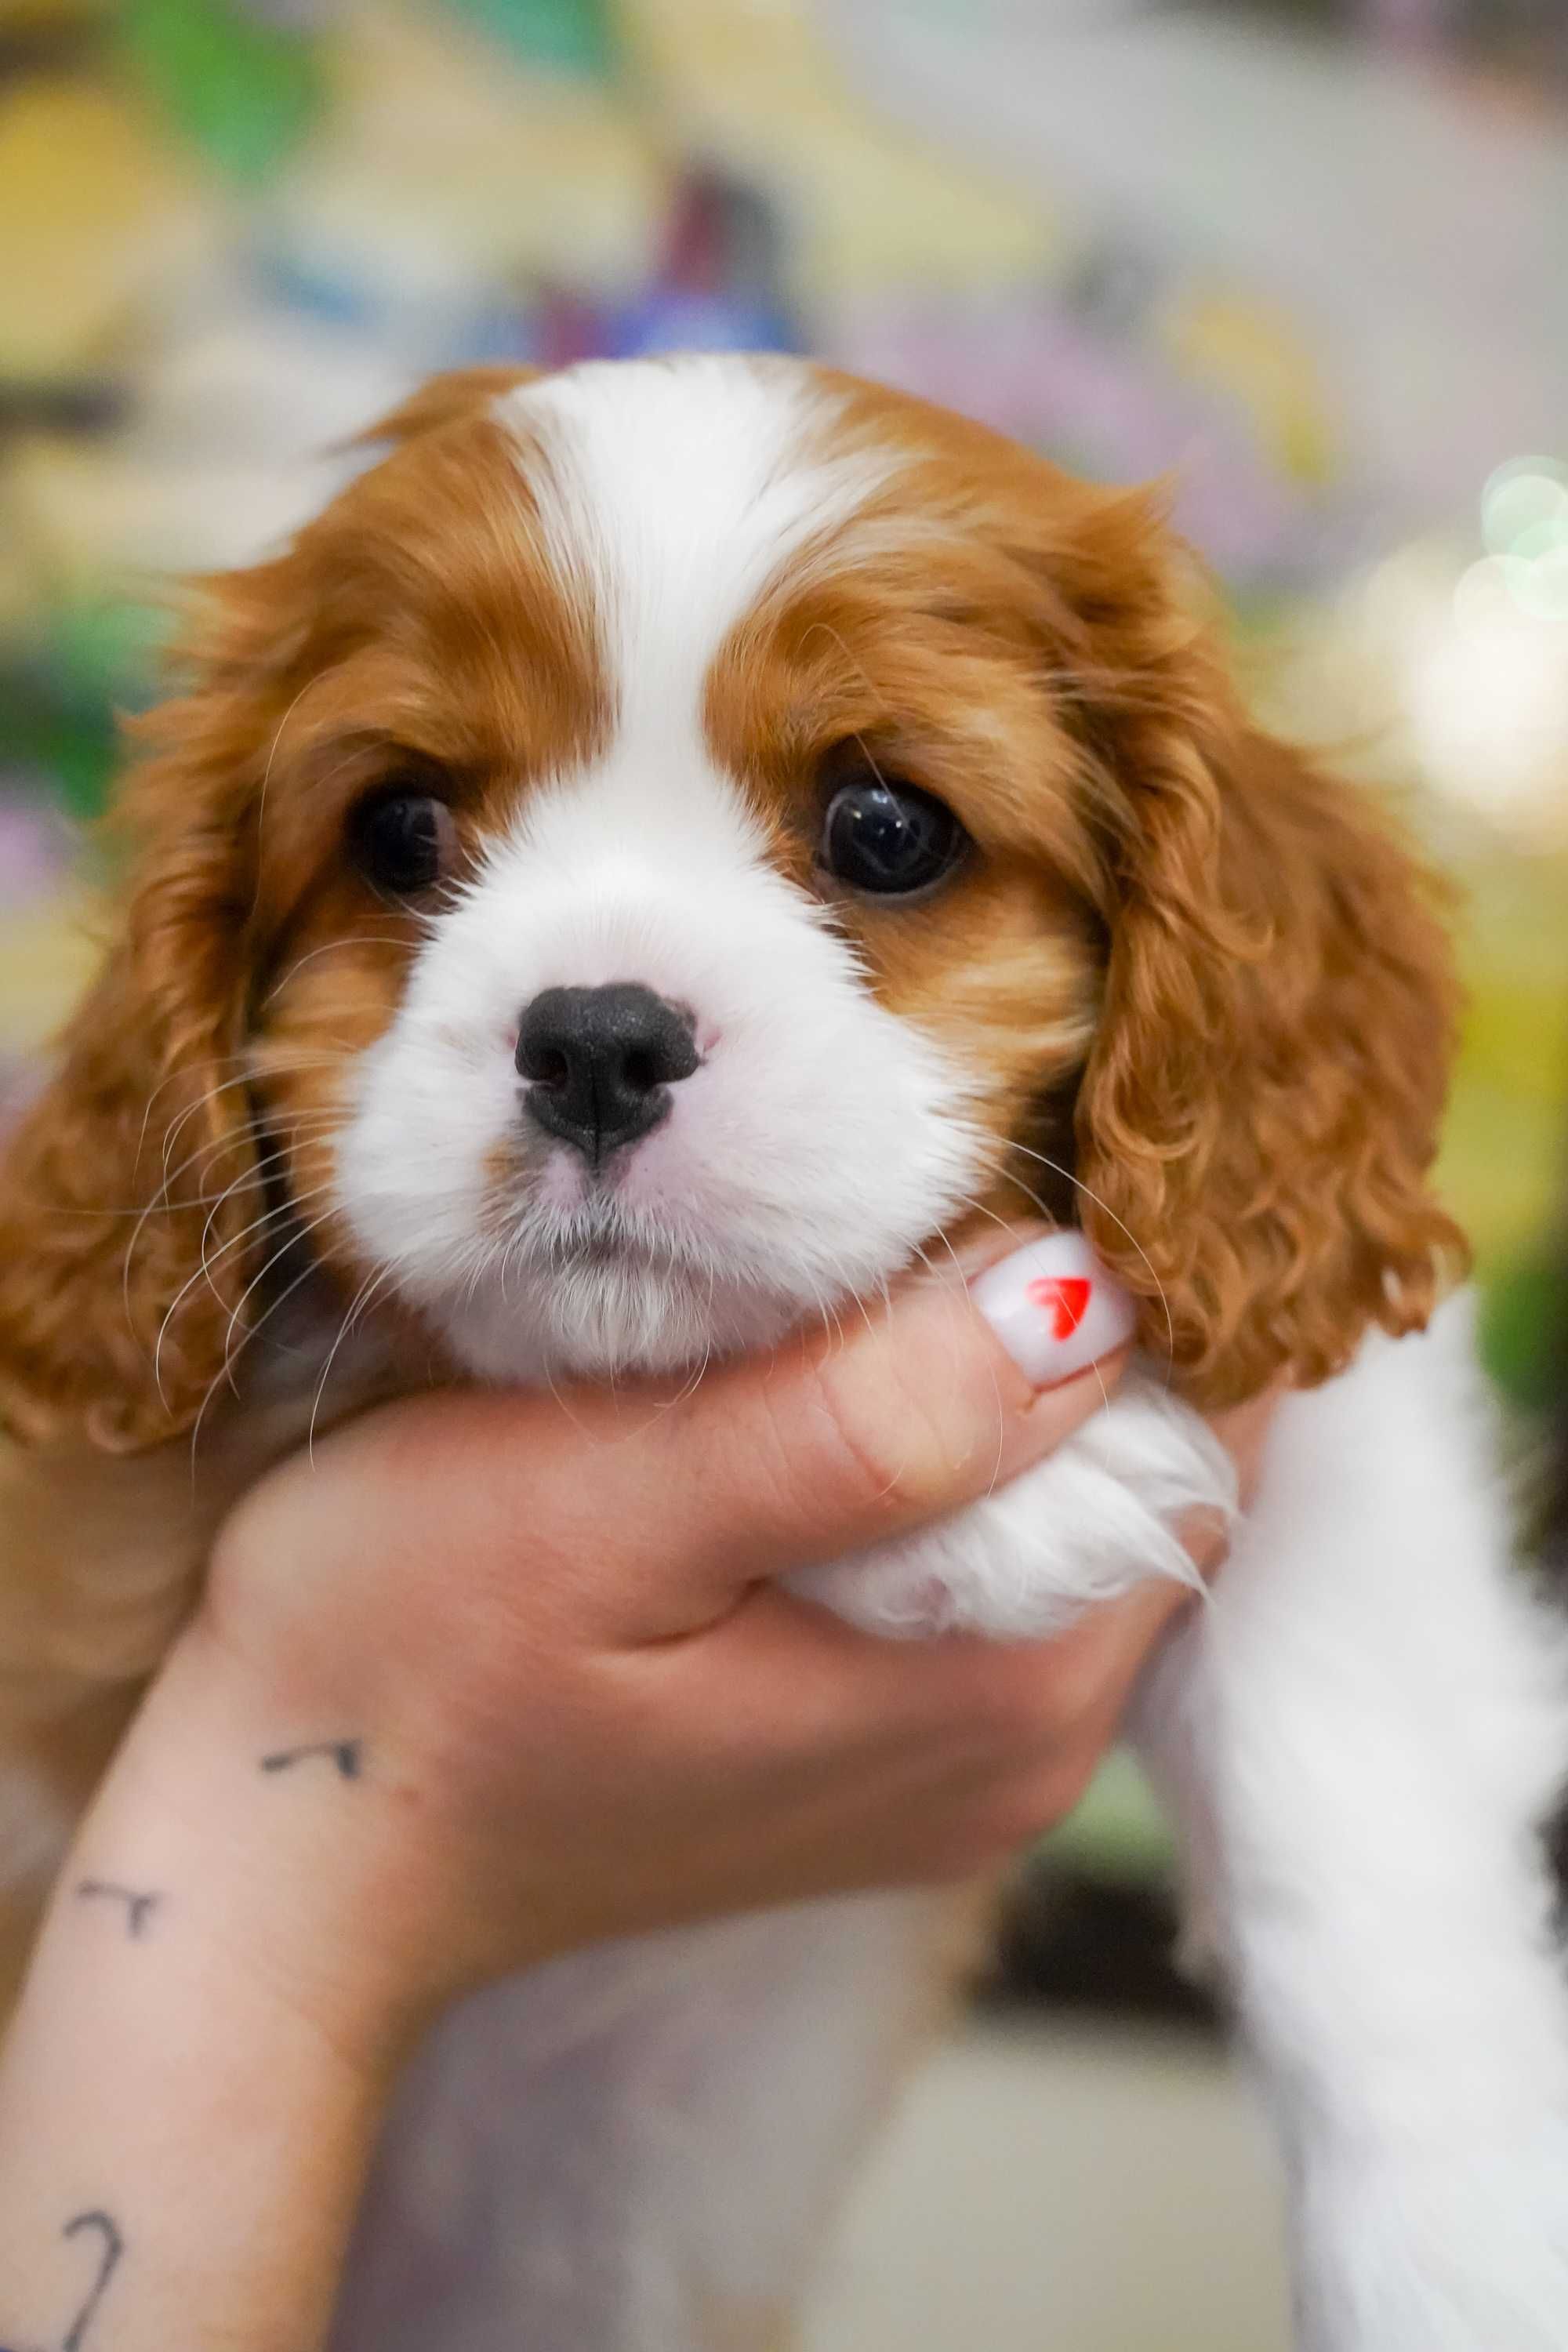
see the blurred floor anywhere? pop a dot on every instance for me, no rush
(1065, 2190)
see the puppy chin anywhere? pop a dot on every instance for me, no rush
(673, 1258)
(653, 1269)
(603, 1316)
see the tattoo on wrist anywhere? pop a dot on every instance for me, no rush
(111, 2246)
(139, 1907)
(346, 1755)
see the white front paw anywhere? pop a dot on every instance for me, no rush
(1465, 2251)
(1103, 1514)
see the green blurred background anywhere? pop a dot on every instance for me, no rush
(1306, 256)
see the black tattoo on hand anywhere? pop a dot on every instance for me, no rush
(348, 1755)
(114, 2246)
(138, 1908)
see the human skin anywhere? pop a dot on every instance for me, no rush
(489, 1678)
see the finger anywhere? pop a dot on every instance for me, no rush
(839, 1439)
(846, 1439)
(806, 1684)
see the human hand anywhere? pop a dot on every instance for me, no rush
(494, 1676)
(577, 1704)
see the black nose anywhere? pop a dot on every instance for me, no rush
(602, 1061)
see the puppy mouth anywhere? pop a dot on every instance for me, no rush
(604, 1247)
(598, 1232)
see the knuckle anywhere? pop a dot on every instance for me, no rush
(876, 1438)
(804, 1479)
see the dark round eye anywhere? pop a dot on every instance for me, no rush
(403, 840)
(888, 838)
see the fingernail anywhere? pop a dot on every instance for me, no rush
(1054, 1308)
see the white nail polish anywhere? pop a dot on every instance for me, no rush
(1054, 1308)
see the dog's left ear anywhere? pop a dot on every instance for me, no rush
(1261, 1105)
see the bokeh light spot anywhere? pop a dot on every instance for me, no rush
(1519, 497)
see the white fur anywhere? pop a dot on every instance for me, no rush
(671, 493)
(1361, 1731)
(1105, 1514)
(1361, 1736)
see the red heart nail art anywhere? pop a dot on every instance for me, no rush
(1066, 1298)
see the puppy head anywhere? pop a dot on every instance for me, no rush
(670, 843)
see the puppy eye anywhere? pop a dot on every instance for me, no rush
(889, 838)
(403, 840)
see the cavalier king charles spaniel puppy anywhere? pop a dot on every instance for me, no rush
(672, 841)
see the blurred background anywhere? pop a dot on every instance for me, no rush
(1305, 255)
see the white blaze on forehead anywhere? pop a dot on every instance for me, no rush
(671, 492)
(820, 1139)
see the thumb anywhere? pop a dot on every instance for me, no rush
(843, 1439)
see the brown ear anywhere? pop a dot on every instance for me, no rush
(1262, 1103)
(133, 1213)
(126, 1190)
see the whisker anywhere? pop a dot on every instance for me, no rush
(969, 1202)
(267, 772)
(161, 1207)
(328, 947)
(209, 1096)
(979, 1209)
(363, 1297)
(256, 1224)
(233, 1353)
(307, 1228)
(160, 1195)
(305, 1123)
(173, 1078)
(296, 1066)
(828, 630)
(552, 1383)
(239, 1139)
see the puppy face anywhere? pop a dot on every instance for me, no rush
(730, 963)
(675, 840)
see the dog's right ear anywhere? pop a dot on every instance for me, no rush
(132, 1211)
(129, 1193)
